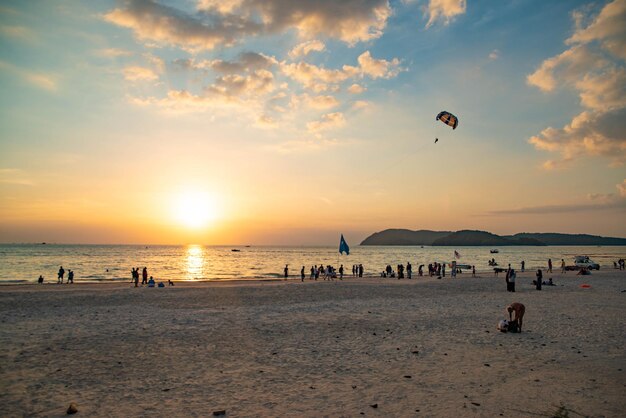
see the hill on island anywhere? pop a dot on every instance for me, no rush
(404, 237)
(483, 238)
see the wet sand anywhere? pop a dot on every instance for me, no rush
(421, 347)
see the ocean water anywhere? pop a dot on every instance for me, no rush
(24, 263)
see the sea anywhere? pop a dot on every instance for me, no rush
(23, 263)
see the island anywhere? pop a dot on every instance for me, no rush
(483, 238)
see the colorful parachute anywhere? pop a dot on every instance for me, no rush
(448, 118)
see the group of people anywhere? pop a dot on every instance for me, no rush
(60, 276)
(327, 272)
(144, 276)
(149, 281)
(389, 271)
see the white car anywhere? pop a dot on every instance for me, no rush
(584, 261)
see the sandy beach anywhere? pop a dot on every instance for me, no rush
(358, 347)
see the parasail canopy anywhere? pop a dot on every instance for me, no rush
(448, 118)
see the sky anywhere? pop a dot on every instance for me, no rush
(286, 122)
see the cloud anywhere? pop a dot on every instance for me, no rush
(327, 121)
(593, 66)
(225, 23)
(551, 209)
(589, 134)
(322, 102)
(351, 21)
(37, 79)
(164, 25)
(112, 52)
(360, 104)
(608, 28)
(444, 10)
(356, 89)
(494, 55)
(317, 78)
(622, 188)
(136, 73)
(14, 176)
(257, 82)
(18, 32)
(378, 68)
(245, 62)
(305, 47)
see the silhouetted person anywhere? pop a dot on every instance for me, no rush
(144, 276)
(70, 277)
(61, 274)
(286, 270)
(549, 265)
(40, 279)
(302, 274)
(539, 279)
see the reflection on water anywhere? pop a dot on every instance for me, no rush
(195, 262)
(93, 263)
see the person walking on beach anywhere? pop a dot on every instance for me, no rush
(144, 276)
(443, 269)
(519, 310)
(40, 279)
(60, 275)
(302, 274)
(70, 277)
(539, 280)
(409, 270)
(523, 265)
(286, 270)
(420, 270)
(341, 272)
(563, 270)
(360, 270)
(549, 265)
(473, 271)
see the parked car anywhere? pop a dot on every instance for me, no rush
(584, 261)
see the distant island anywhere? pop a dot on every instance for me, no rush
(483, 238)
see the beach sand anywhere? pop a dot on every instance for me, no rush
(421, 347)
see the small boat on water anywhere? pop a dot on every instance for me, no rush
(235, 250)
(494, 251)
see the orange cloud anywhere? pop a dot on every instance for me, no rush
(593, 67)
(328, 121)
(444, 10)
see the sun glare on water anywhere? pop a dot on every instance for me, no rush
(195, 209)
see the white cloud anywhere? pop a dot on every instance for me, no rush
(494, 55)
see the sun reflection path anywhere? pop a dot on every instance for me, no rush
(195, 262)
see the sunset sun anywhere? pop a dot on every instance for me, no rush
(195, 209)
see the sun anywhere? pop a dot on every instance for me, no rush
(195, 209)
